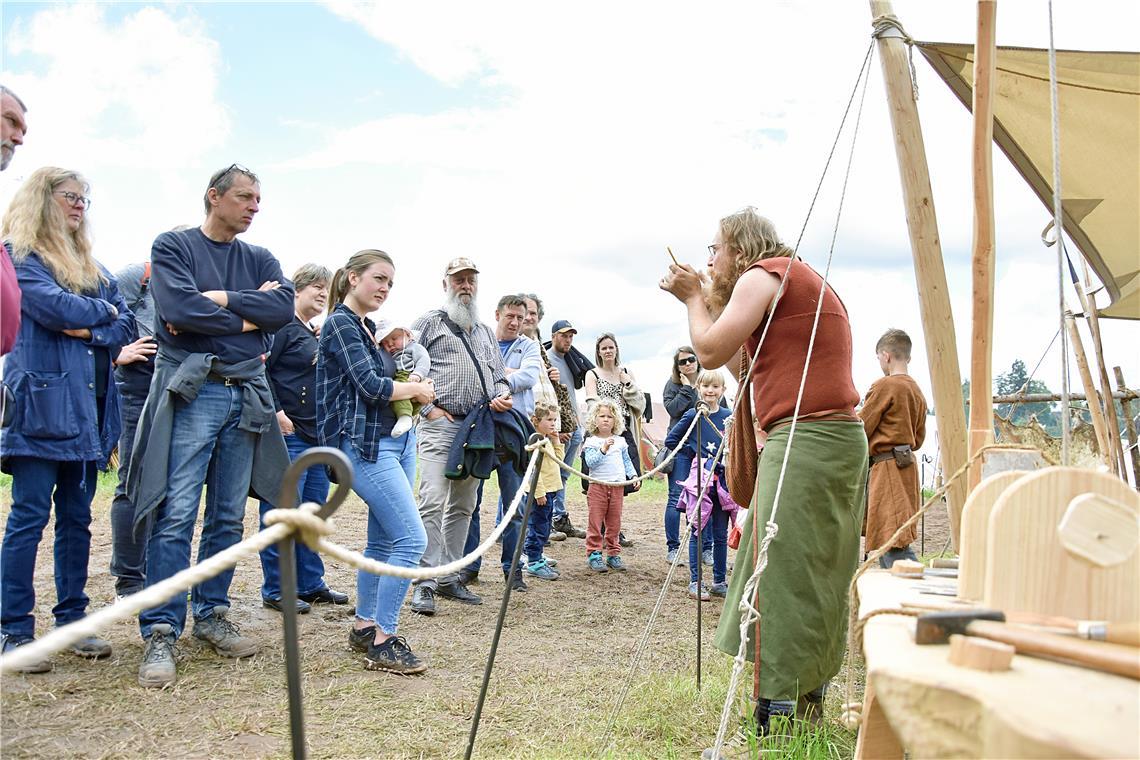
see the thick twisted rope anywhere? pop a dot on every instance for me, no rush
(302, 522)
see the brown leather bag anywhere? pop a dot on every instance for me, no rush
(740, 459)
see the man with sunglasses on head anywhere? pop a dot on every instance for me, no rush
(209, 419)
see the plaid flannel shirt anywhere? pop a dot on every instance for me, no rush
(354, 384)
(457, 386)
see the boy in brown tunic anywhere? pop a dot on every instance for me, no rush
(894, 417)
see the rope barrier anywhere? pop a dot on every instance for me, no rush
(302, 521)
(647, 474)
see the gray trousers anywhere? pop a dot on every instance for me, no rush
(445, 505)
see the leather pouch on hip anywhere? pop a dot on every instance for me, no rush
(904, 457)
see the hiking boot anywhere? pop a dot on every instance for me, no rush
(158, 668)
(394, 656)
(91, 647)
(360, 639)
(457, 591)
(423, 600)
(707, 558)
(542, 571)
(702, 595)
(556, 535)
(562, 525)
(615, 563)
(467, 576)
(12, 642)
(719, 589)
(597, 563)
(624, 542)
(516, 580)
(217, 631)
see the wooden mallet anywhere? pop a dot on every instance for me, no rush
(937, 627)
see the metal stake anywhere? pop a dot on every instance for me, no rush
(701, 407)
(315, 457)
(506, 598)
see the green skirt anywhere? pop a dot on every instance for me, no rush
(803, 591)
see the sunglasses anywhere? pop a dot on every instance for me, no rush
(689, 360)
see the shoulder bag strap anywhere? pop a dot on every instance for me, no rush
(463, 339)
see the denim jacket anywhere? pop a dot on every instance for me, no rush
(52, 375)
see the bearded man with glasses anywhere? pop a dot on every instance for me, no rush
(209, 419)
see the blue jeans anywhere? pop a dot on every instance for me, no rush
(559, 506)
(509, 482)
(33, 483)
(538, 530)
(716, 532)
(313, 486)
(395, 533)
(128, 546)
(206, 449)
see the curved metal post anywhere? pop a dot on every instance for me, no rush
(288, 498)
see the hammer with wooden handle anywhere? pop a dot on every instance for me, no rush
(1097, 630)
(936, 628)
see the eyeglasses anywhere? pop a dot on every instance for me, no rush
(74, 199)
(715, 247)
(687, 360)
(226, 172)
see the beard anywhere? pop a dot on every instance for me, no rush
(463, 314)
(717, 291)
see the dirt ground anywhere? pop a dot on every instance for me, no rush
(565, 650)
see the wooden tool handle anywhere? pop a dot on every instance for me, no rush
(1120, 633)
(1109, 658)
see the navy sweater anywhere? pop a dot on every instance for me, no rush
(184, 264)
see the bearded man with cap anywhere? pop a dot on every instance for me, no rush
(461, 382)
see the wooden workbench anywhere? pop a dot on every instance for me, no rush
(916, 699)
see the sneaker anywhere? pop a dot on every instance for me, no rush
(671, 557)
(12, 642)
(360, 639)
(702, 595)
(542, 571)
(92, 647)
(458, 592)
(596, 563)
(707, 558)
(401, 426)
(217, 631)
(615, 563)
(557, 535)
(550, 561)
(158, 669)
(624, 542)
(423, 600)
(516, 581)
(324, 596)
(562, 525)
(394, 656)
(303, 607)
(719, 589)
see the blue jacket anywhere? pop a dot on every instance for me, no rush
(483, 437)
(712, 433)
(52, 375)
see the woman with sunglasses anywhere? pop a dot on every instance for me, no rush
(680, 395)
(74, 321)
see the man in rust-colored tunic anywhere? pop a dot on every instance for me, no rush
(894, 415)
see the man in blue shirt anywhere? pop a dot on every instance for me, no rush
(209, 418)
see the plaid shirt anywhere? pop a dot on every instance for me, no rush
(457, 386)
(354, 384)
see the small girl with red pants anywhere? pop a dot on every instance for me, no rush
(607, 456)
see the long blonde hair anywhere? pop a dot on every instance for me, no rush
(35, 223)
(753, 237)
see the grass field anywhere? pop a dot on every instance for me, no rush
(563, 658)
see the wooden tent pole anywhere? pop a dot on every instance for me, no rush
(1112, 424)
(1129, 428)
(981, 356)
(1095, 410)
(933, 295)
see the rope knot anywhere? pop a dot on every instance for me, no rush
(309, 528)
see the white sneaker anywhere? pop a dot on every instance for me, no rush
(403, 425)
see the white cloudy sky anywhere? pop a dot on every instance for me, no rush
(560, 146)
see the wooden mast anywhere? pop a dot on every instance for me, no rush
(981, 357)
(933, 295)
